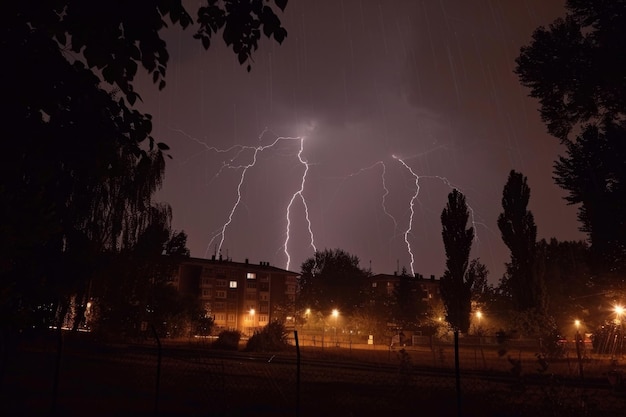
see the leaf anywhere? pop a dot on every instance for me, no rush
(162, 146)
(280, 35)
(281, 4)
(206, 42)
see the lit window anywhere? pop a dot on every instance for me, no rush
(251, 275)
(374, 284)
(233, 284)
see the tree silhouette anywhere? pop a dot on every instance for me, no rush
(576, 69)
(523, 279)
(81, 166)
(332, 279)
(408, 307)
(456, 285)
(594, 174)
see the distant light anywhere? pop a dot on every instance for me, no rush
(619, 310)
(335, 313)
(479, 314)
(577, 323)
(252, 312)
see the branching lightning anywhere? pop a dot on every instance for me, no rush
(304, 203)
(412, 207)
(236, 152)
(230, 164)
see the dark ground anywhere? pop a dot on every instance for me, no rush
(97, 379)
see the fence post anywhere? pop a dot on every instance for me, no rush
(295, 335)
(457, 372)
(158, 373)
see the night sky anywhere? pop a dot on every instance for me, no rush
(361, 81)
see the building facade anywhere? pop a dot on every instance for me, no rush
(239, 295)
(384, 284)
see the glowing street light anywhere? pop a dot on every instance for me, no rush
(336, 315)
(619, 310)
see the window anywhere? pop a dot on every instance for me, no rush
(233, 284)
(220, 294)
(251, 275)
(374, 284)
(231, 317)
(220, 317)
(262, 318)
(221, 283)
(251, 284)
(206, 293)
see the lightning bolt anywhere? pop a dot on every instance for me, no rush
(412, 206)
(299, 193)
(244, 168)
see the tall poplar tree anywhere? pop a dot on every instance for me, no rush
(456, 284)
(523, 280)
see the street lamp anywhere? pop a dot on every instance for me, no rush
(336, 315)
(578, 354)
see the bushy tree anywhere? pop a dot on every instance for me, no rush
(332, 279)
(575, 69)
(594, 174)
(571, 66)
(81, 166)
(456, 285)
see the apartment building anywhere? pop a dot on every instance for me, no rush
(429, 288)
(239, 295)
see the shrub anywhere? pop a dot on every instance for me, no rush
(227, 340)
(271, 338)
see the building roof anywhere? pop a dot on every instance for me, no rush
(260, 266)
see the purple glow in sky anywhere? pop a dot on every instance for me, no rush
(369, 99)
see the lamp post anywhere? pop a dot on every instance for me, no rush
(336, 315)
(578, 340)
